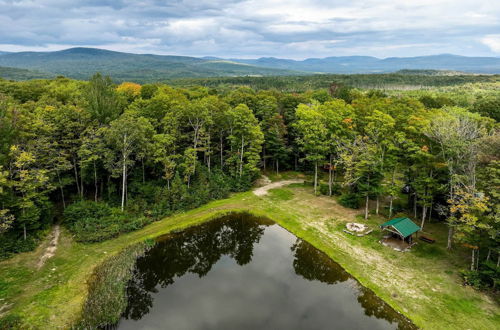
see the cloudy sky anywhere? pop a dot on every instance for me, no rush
(254, 28)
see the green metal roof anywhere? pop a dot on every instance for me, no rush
(404, 226)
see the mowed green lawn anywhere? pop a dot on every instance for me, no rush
(424, 284)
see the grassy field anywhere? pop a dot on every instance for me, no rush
(424, 284)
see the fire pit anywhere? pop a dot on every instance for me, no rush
(357, 229)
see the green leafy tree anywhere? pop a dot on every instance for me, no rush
(31, 185)
(164, 154)
(313, 136)
(457, 133)
(126, 137)
(91, 154)
(102, 100)
(245, 140)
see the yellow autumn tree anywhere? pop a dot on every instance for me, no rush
(129, 89)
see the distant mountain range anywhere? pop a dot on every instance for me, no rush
(81, 63)
(368, 64)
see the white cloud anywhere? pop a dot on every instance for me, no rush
(229, 28)
(492, 41)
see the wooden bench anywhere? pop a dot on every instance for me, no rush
(427, 239)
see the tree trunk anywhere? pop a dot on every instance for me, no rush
(366, 206)
(61, 189)
(209, 160)
(124, 172)
(24, 231)
(264, 156)
(143, 171)
(488, 256)
(367, 197)
(424, 211)
(378, 205)
(241, 156)
(330, 177)
(221, 151)
(277, 167)
(82, 186)
(124, 180)
(450, 237)
(95, 182)
(126, 185)
(415, 205)
(315, 177)
(76, 177)
(390, 205)
(109, 183)
(209, 151)
(473, 258)
(392, 192)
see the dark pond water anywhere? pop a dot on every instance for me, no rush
(242, 272)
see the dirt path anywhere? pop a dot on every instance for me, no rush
(50, 251)
(261, 191)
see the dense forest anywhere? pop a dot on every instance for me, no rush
(106, 159)
(402, 80)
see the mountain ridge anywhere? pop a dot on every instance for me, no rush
(82, 62)
(370, 64)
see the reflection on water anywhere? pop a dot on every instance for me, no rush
(242, 272)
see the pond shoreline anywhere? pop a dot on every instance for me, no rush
(106, 299)
(107, 289)
(34, 303)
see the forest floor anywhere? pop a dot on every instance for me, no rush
(424, 284)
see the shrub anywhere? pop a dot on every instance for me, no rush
(95, 222)
(11, 243)
(336, 189)
(219, 185)
(323, 189)
(487, 276)
(350, 200)
(86, 209)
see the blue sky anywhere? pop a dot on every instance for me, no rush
(248, 29)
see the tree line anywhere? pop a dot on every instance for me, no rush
(114, 158)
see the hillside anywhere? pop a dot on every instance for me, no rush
(368, 64)
(81, 63)
(22, 74)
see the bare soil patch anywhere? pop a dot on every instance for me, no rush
(50, 251)
(261, 191)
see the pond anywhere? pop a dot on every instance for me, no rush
(243, 272)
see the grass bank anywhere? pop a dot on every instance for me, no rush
(423, 284)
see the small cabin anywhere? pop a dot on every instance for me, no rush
(402, 228)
